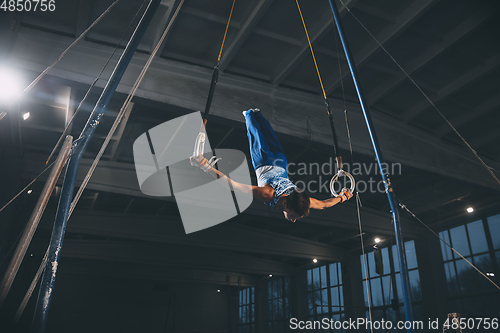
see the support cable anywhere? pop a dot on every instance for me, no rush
(358, 199)
(121, 113)
(74, 115)
(405, 283)
(60, 223)
(42, 74)
(31, 226)
(367, 279)
(31, 288)
(335, 147)
(103, 148)
(4, 260)
(215, 74)
(442, 240)
(27, 186)
(327, 103)
(94, 83)
(488, 168)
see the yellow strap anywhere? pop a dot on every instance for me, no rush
(225, 33)
(311, 48)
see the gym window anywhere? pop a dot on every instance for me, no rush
(325, 293)
(278, 304)
(479, 243)
(386, 296)
(246, 322)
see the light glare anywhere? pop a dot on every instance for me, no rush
(26, 115)
(315, 260)
(10, 85)
(377, 240)
(470, 210)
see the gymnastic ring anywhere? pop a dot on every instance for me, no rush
(199, 145)
(340, 174)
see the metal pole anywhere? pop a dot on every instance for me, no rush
(49, 275)
(30, 229)
(405, 282)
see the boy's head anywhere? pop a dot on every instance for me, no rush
(297, 205)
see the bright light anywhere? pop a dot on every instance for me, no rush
(470, 210)
(315, 260)
(377, 240)
(218, 290)
(490, 274)
(26, 115)
(10, 85)
(29, 191)
(270, 275)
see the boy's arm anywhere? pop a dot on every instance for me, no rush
(322, 204)
(264, 194)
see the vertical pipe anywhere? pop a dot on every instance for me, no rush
(405, 282)
(29, 231)
(49, 275)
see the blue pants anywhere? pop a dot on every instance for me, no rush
(265, 148)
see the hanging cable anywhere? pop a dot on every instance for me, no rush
(358, 205)
(110, 134)
(42, 74)
(215, 74)
(358, 199)
(488, 168)
(122, 112)
(336, 152)
(24, 189)
(94, 83)
(442, 240)
(31, 288)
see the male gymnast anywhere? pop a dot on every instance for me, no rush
(270, 164)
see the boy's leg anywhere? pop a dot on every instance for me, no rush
(271, 139)
(258, 143)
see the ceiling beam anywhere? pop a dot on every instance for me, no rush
(292, 59)
(121, 178)
(169, 230)
(250, 22)
(169, 255)
(465, 80)
(484, 139)
(473, 113)
(83, 17)
(211, 17)
(442, 200)
(408, 16)
(315, 33)
(164, 21)
(373, 11)
(118, 135)
(152, 272)
(419, 60)
(173, 82)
